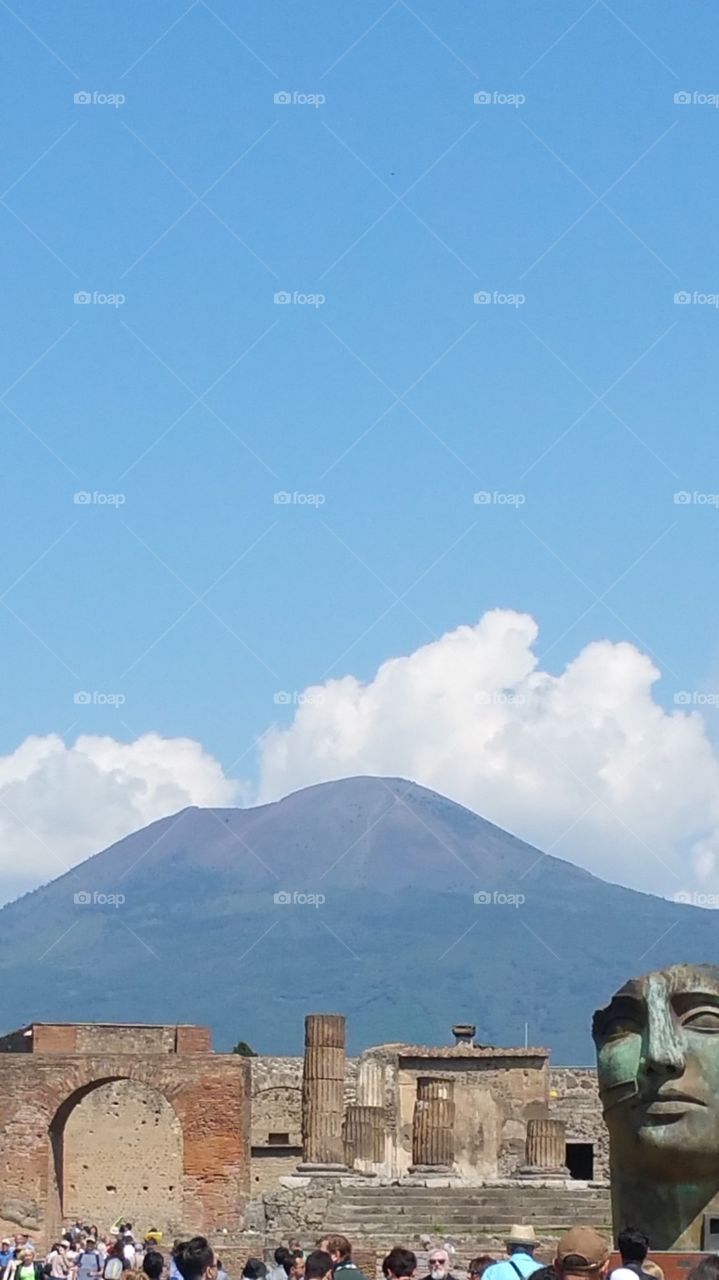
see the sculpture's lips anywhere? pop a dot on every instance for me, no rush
(671, 1103)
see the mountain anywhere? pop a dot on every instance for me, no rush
(188, 921)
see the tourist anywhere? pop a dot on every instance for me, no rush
(340, 1251)
(283, 1264)
(318, 1265)
(297, 1270)
(439, 1265)
(520, 1261)
(57, 1263)
(400, 1264)
(6, 1252)
(193, 1258)
(153, 1264)
(129, 1251)
(582, 1254)
(24, 1266)
(254, 1269)
(221, 1273)
(115, 1262)
(88, 1265)
(478, 1266)
(633, 1247)
(706, 1269)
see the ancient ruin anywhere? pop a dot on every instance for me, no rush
(140, 1122)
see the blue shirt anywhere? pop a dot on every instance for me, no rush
(524, 1262)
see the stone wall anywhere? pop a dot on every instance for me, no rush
(574, 1098)
(123, 1159)
(208, 1094)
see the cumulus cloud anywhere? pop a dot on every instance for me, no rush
(585, 763)
(60, 804)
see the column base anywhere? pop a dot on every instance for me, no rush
(561, 1174)
(442, 1170)
(322, 1170)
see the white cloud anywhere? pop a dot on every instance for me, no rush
(585, 763)
(60, 804)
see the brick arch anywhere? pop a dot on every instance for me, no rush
(54, 1189)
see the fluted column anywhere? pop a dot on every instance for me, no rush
(323, 1086)
(433, 1124)
(370, 1083)
(545, 1150)
(364, 1137)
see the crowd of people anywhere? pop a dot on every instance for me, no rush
(83, 1253)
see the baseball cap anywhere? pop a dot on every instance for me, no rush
(582, 1249)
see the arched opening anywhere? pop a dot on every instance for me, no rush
(116, 1152)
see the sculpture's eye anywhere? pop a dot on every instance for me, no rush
(621, 1025)
(705, 1019)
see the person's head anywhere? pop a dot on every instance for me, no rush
(254, 1269)
(400, 1264)
(152, 1264)
(521, 1239)
(438, 1264)
(193, 1258)
(707, 1269)
(297, 1270)
(318, 1265)
(339, 1248)
(582, 1254)
(26, 1256)
(633, 1244)
(90, 1243)
(4, 1245)
(652, 1269)
(478, 1266)
(283, 1258)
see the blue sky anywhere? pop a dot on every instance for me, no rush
(396, 199)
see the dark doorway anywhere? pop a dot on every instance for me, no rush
(579, 1159)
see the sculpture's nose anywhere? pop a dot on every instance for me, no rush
(664, 1054)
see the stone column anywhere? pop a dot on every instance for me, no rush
(545, 1150)
(364, 1137)
(433, 1125)
(323, 1088)
(370, 1082)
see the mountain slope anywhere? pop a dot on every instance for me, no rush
(399, 942)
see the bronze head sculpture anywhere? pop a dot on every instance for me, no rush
(658, 1069)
